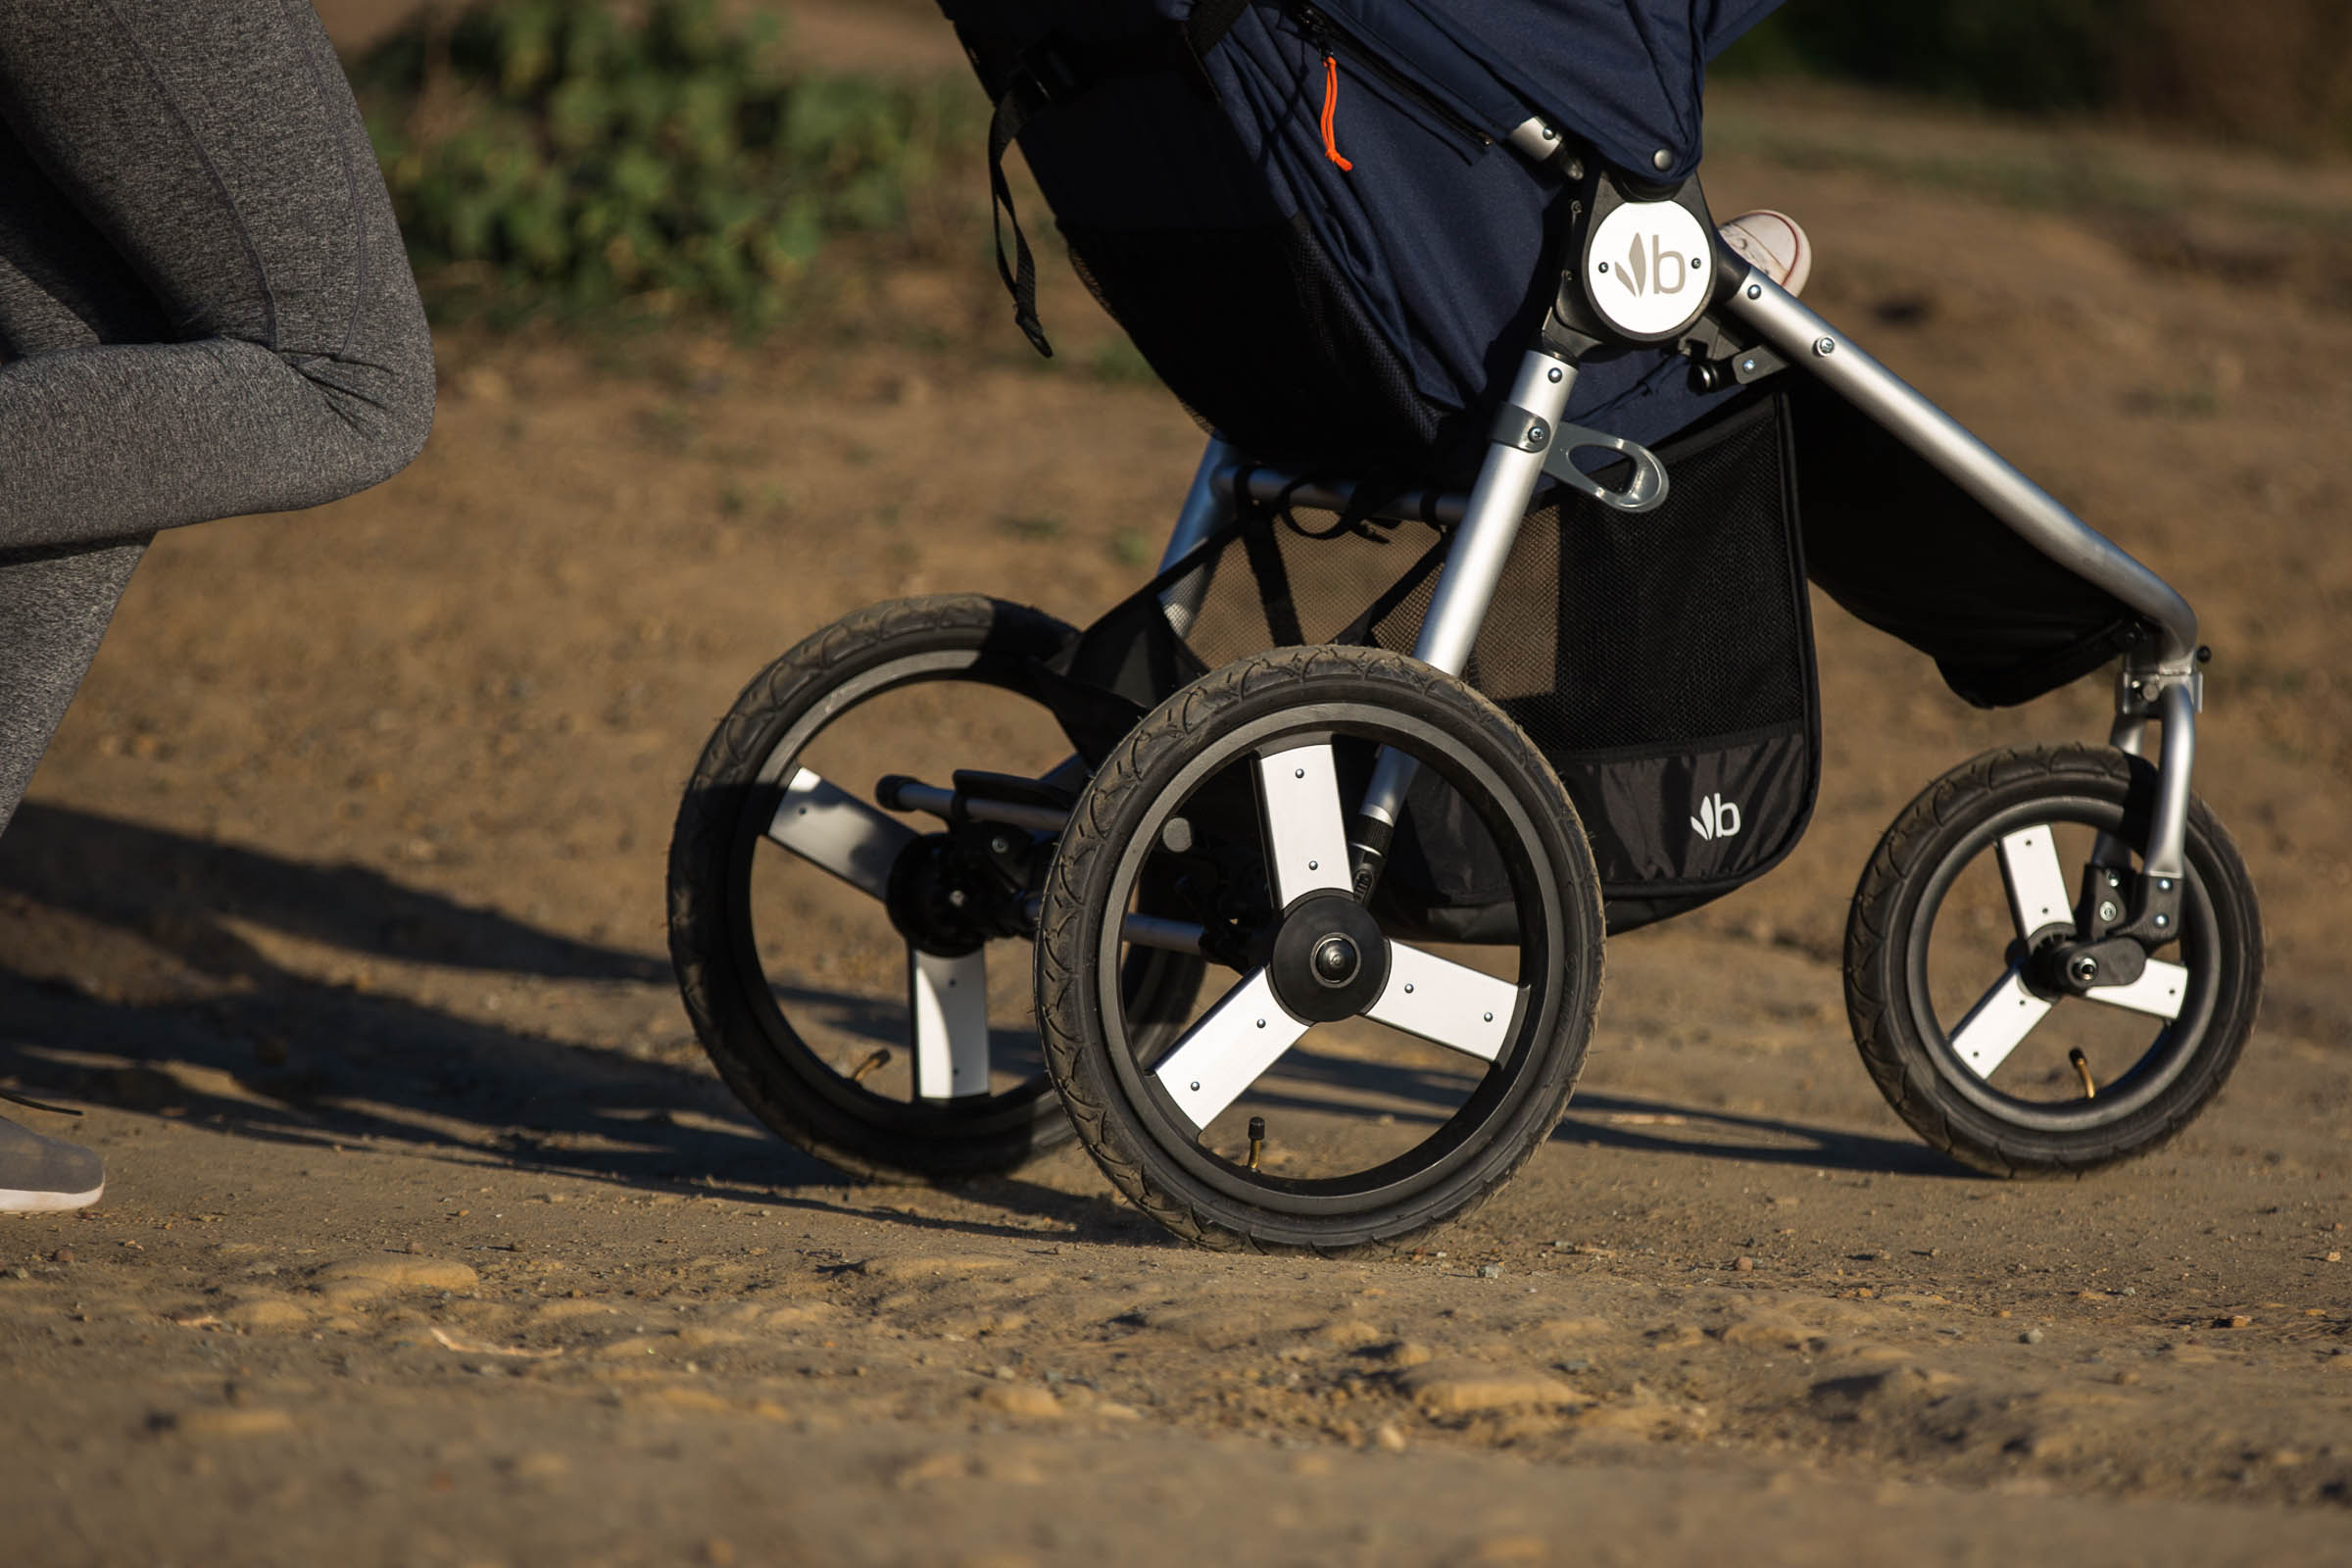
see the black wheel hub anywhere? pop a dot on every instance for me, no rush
(1329, 960)
(950, 896)
(2074, 968)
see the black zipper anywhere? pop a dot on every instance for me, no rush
(1333, 39)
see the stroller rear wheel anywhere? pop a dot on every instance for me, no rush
(1350, 1088)
(856, 979)
(1971, 1033)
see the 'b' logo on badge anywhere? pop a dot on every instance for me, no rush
(1649, 273)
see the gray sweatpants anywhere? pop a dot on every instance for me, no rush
(205, 309)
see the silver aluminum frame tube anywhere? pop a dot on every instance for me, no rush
(2176, 761)
(1498, 502)
(1474, 562)
(1806, 339)
(1205, 510)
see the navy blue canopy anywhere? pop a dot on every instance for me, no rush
(1625, 75)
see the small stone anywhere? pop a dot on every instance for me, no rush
(1490, 1271)
(269, 1312)
(1743, 1265)
(233, 1421)
(65, 1254)
(1389, 1437)
(2235, 1320)
(1409, 1353)
(945, 1465)
(1346, 1334)
(2030, 1337)
(371, 1276)
(928, 1266)
(1020, 1398)
(1767, 1331)
(1466, 1388)
(20, 1272)
(678, 1401)
(2335, 1257)
(540, 1467)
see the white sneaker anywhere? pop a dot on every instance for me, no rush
(1772, 243)
(43, 1175)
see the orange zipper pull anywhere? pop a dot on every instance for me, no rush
(1330, 104)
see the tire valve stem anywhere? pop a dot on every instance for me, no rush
(2090, 1090)
(1258, 1139)
(874, 1063)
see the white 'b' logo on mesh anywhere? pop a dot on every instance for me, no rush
(1717, 818)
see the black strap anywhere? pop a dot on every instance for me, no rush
(1055, 72)
(1013, 109)
(1210, 20)
(1359, 630)
(1273, 580)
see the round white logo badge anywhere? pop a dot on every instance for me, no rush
(1650, 267)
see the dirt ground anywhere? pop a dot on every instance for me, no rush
(430, 1237)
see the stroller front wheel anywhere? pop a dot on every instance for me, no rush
(1951, 963)
(1348, 1087)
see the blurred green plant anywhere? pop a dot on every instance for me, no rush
(551, 152)
(2016, 54)
(2275, 72)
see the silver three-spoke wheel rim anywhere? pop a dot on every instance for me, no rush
(2034, 1053)
(941, 1055)
(1301, 774)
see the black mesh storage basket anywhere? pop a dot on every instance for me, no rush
(1663, 662)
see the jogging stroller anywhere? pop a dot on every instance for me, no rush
(1483, 629)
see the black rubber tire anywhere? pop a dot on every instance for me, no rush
(1904, 1046)
(1522, 1096)
(763, 1059)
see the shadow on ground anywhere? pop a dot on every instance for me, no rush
(125, 982)
(120, 943)
(1310, 1081)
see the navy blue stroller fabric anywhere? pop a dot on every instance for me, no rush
(1313, 229)
(1626, 76)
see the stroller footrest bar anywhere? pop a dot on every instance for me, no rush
(898, 792)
